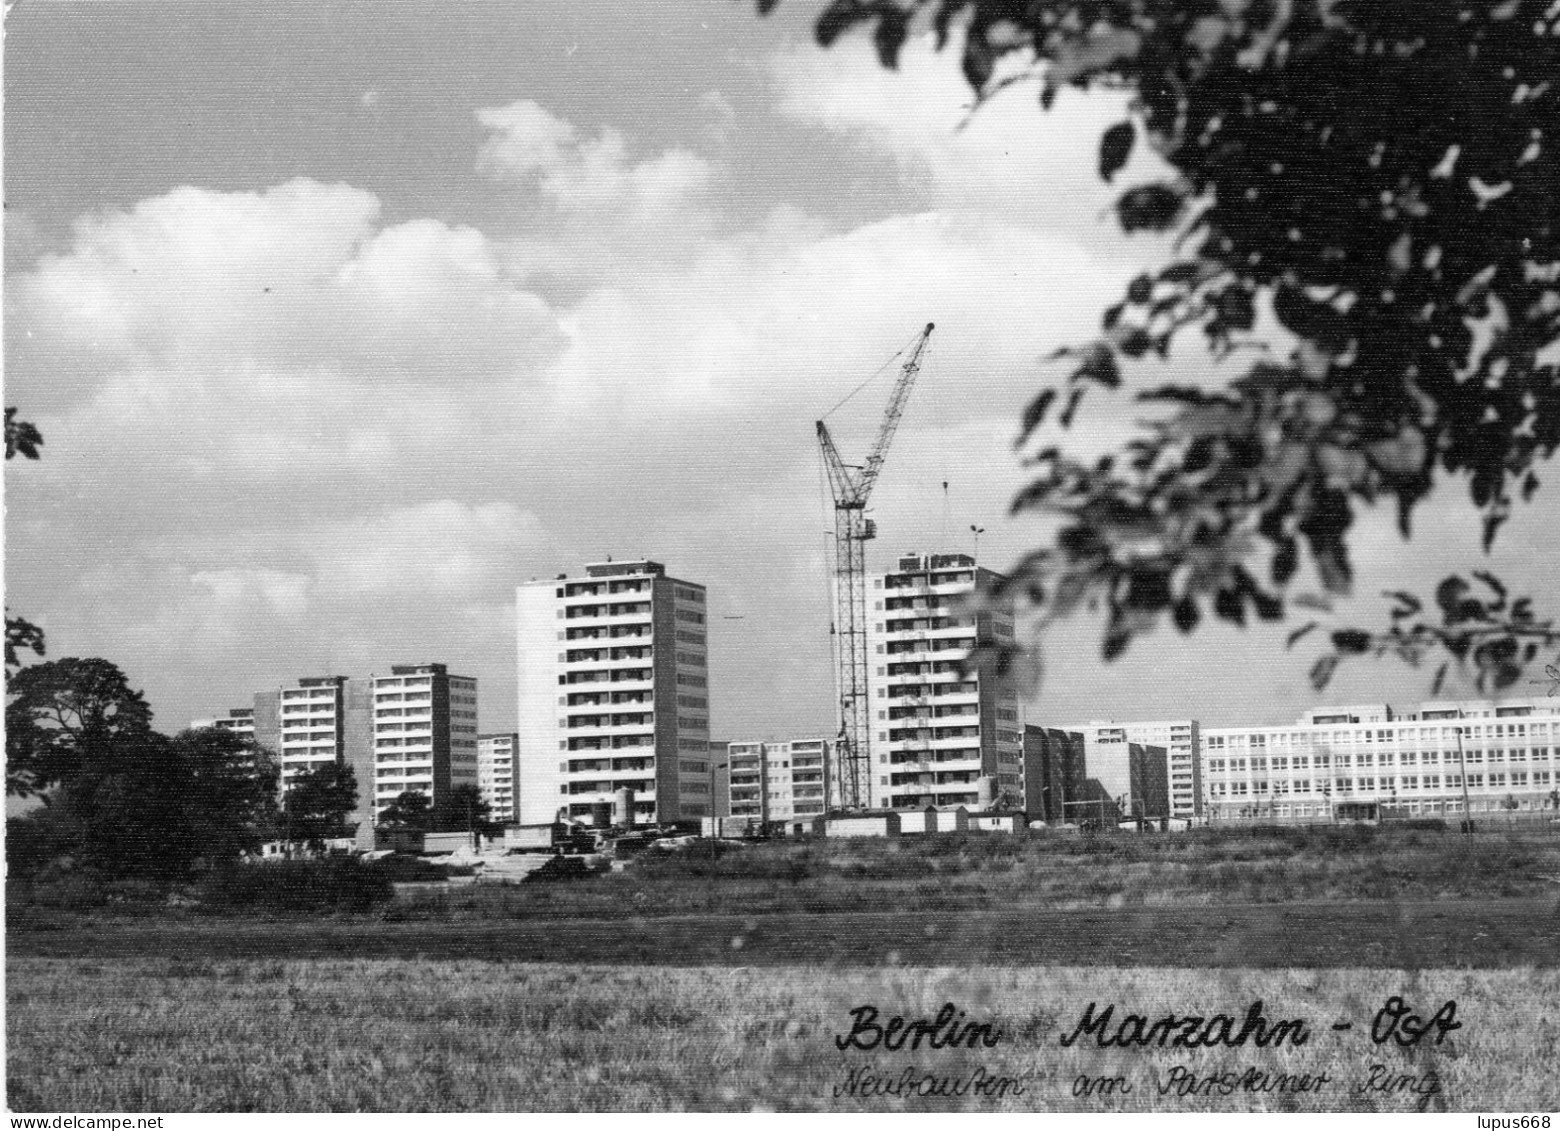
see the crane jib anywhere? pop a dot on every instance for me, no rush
(851, 487)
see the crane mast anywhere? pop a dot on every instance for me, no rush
(851, 487)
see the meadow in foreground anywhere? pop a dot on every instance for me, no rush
(404, 1035)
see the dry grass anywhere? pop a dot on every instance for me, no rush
(976, 872)
(405, 1035)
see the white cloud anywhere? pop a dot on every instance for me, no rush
(597, 210)
(1005, 157)
(443, 549)
(321, 440)
(207, 286)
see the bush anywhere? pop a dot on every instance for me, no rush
(80, 889)
(701, 862)
(411, 869)
(329, 884)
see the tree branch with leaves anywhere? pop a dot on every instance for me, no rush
(1377, 184)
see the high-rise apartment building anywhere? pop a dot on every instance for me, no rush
(414, 729)
(425, 732)
(937, 730)
(1053, 772)
(498, 775)
(239, 720)
(720, 779)
(1106, 751)
(1489, 756)
(779, 781)
(315, 721)
(614, 693)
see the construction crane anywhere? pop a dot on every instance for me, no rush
(851, 487)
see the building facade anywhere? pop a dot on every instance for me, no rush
(425, 733)
(720, 779)
(1053, 772)
(1106, 745)
(614, 693)
(1482, 757)
(779, 781)
(414, 729)
(239, 720)
(498, 775)
(937, 730)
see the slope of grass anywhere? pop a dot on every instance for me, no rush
(175, 1034)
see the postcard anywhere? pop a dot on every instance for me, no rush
(746, 556)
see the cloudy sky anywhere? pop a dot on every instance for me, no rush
(340, 320)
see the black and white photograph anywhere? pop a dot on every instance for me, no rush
(867, 556)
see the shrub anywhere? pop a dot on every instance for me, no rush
(79, 889)
(330, 884)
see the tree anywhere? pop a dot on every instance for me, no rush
(318, 803)
(464, 809)
(227, 787)
(21, 438)
(1371, 182)
(410, 810)
(61, 711)
(125, 800)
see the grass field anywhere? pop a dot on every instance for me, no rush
(692, 982)
(1487, 934)
(161, 1034)
(986, 872)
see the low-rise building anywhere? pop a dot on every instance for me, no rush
(779, 781)
(1440, 758)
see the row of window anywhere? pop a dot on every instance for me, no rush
(1384, 758)
(1516, 779)
(1445, 735)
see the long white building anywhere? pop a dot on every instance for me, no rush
(614, 693)
(936, 731)
(1498, 755)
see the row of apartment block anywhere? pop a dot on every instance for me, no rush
(412, 730)
(613, 693)
(613, 673)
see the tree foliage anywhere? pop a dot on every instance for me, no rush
(62, 713)
(464, 809)
(132, 803)
(318, 803)
(21, 438)
(1380, 182)
(410, 810)
(228, 787)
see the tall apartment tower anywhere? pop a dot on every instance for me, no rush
(937, 731)
(424, 732)
(614, 693)
(318, 720)
(1106, 751)
(498, 775)
(239, 720)
(414, 729)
